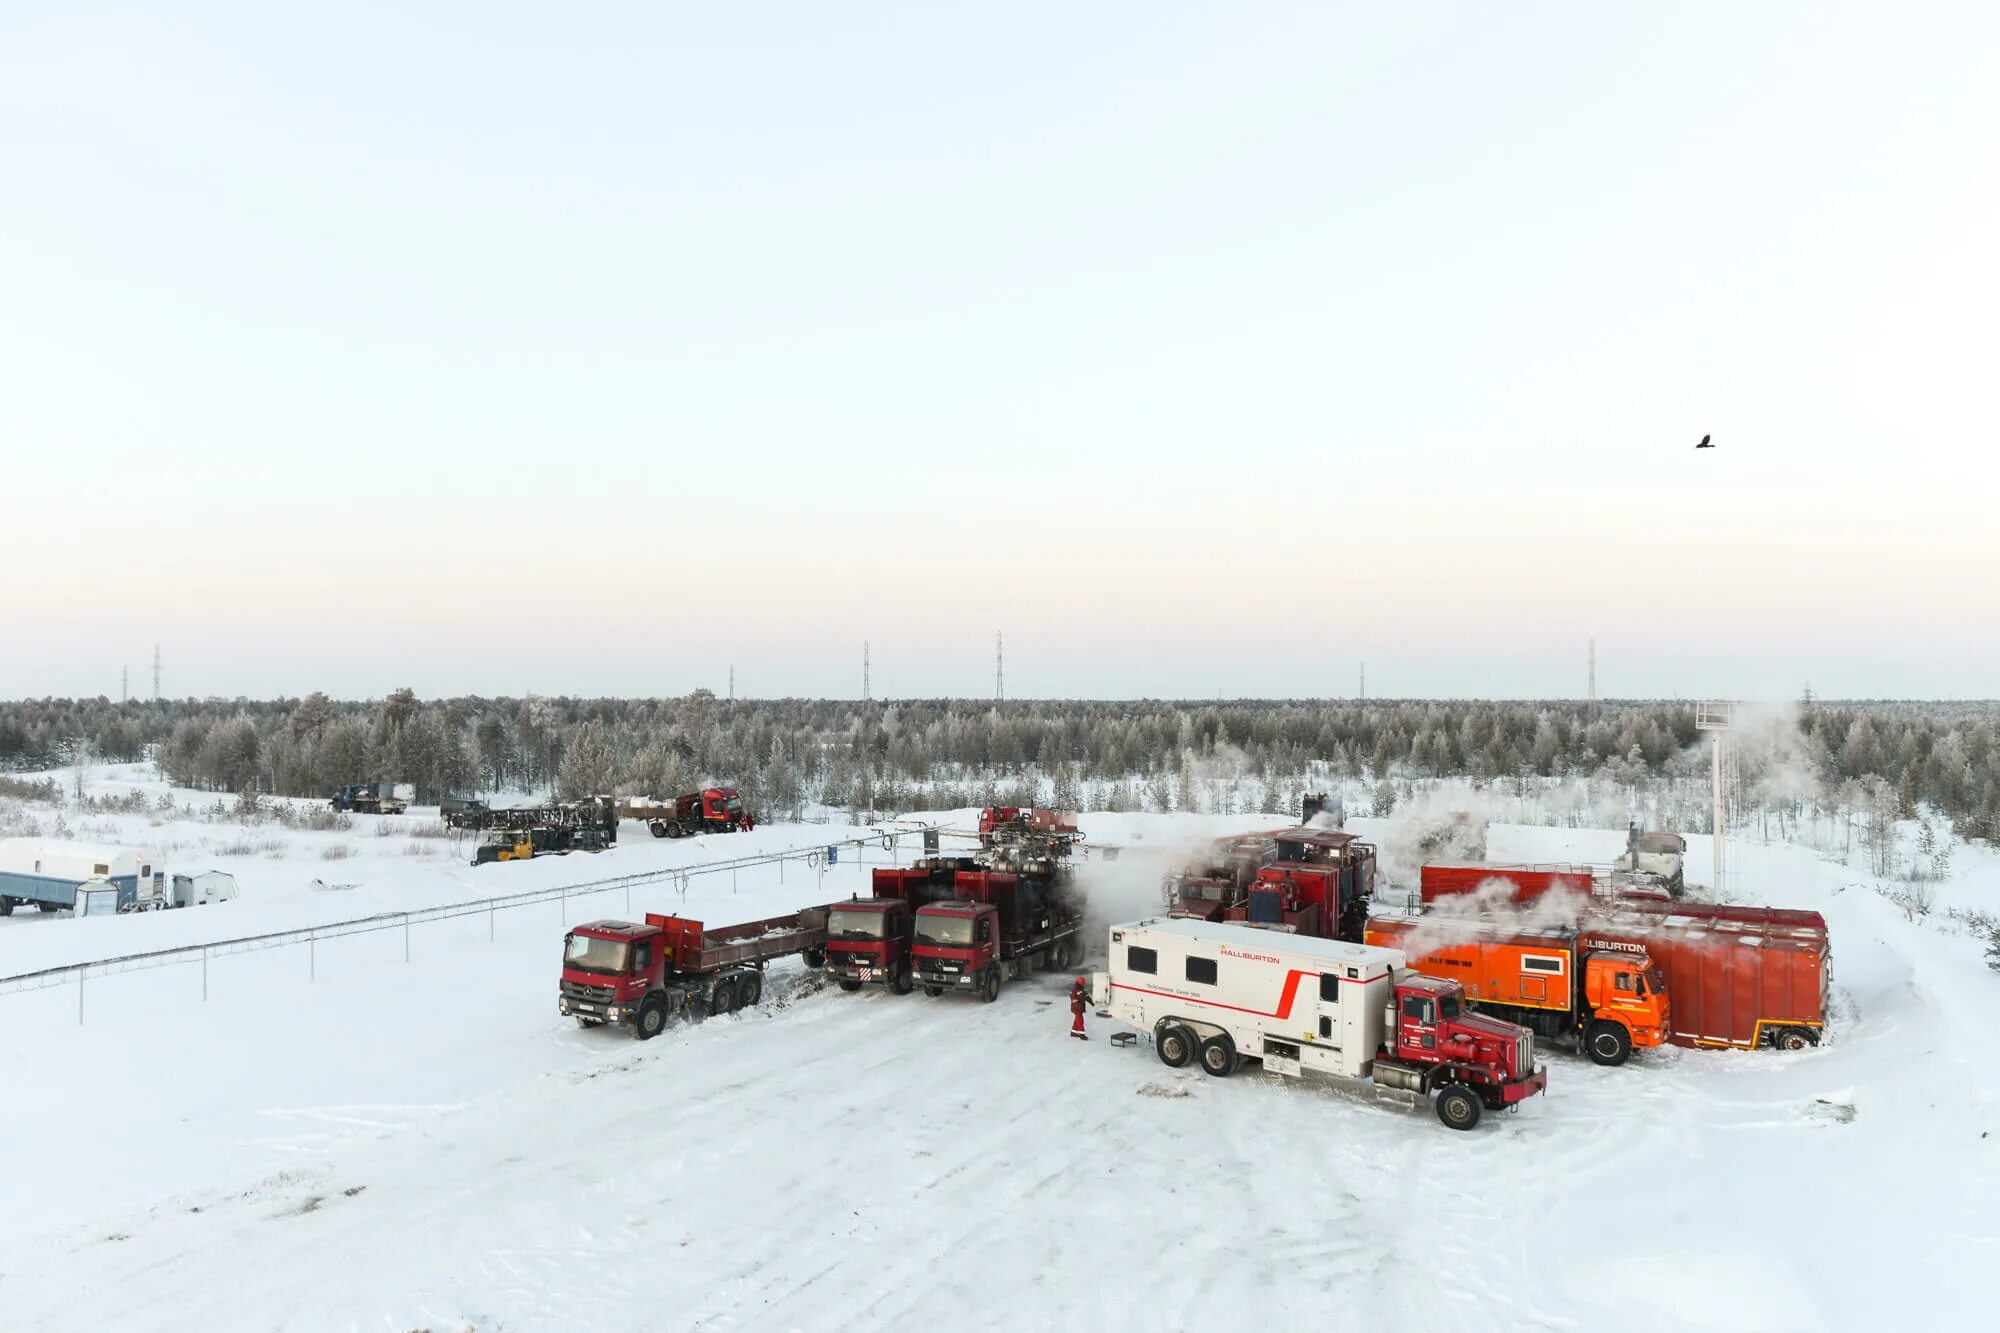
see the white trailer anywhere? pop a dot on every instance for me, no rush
(48, 874)
(1222, 993)
(210, 886)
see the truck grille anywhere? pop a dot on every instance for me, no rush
(576, 990)
(1524, 1055)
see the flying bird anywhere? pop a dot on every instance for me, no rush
(1704, 443)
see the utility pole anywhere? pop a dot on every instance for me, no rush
(124, 685)
(864, 671)
(1593, 675)
(732, 682)
(156, 673)
(999, 671)
(1364, 682)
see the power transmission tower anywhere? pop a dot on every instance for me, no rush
(864, 671)
(156, 673)
(999, 671)
(1364, 682)
(124, 685)
(1593, 675)
(732, 682)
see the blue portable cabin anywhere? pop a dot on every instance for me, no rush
(48, 874)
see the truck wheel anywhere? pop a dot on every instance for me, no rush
(933, 991)
(903, 983)
(6, 907)
(1459, 1108)
(658, 832)
(989, 986)
(652, 1018)
(56, 907)
(815, 958)
(749, 990)
(1176, 1045)
(1218, 1056)
(722, 999)
(1793, 1039)
(1608, 1043)
(849, 985)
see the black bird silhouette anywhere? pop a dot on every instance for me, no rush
(1704, 443)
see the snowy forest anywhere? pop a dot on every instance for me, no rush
(1798, 762)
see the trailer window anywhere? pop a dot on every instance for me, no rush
(100, 870)
(1201, 970)
(1541, 963)
(1141, 960)
(1329, 988)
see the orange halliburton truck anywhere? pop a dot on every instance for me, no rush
(1557, 982)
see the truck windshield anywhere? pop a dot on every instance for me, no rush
(949, 930)
(587, 953)
(857, 925)
(733, 803)
(1657, 980)
(1448, 1006)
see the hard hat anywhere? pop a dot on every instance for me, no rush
(1081, 982)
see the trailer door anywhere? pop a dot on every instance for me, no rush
(1328, 1031)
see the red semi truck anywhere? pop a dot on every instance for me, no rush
(710, 810)
(868, 939)
(999, 924)
(640, 975)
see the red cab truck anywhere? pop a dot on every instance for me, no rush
(1220, 994)
(998, 925)
(638, 975)
(710, 810)
(1559, 982)
(868, 939)
(1742, 977)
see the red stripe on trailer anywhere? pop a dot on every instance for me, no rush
(1285, 1000)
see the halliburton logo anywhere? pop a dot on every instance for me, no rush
(1619, 945)
(1253, 957)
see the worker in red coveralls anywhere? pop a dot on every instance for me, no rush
(1079, 995)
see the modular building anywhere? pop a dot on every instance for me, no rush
(48, 874)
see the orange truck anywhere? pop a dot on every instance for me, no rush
(1556, 982)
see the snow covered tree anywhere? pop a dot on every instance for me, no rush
(587, 764)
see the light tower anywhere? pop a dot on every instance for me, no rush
(1593, 675)
(156, 673)
(864, 671)
(1364, 682)
(1714, 716)
(999, 670)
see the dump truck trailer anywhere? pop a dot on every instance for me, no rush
(640, 974)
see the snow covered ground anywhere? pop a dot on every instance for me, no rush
(390, 1145)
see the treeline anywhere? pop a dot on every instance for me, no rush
(944, 752)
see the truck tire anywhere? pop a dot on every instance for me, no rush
(903, 983)
(1218, 1056)
(1607, 1043)
(1793, 1039)
(659, 830)
(815, 958)
(651, 1020)
(1459, 1107)
(722, 999)
(57, 907)
(749, 990)
(989, 985)
(849, 985)
(6, 907)
(1175, 1044)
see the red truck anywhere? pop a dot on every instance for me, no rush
(710, 810)
(640, 975)
(999, 924)
(868, 939)
(1741, 977)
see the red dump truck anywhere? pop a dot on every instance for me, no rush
(640, 975)
(998, 925)
(868, 939)
(1450, 879)
(1742, 977)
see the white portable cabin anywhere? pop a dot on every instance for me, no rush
(32, 870)
(1295, 1002)
(210, 886)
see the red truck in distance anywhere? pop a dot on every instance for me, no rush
(868, 939)
(710, 810)
(640, 975)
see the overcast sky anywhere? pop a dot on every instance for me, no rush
(494, 348)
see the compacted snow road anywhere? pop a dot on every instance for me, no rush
(411, 1146)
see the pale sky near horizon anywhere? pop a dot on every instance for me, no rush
(1206, 350)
